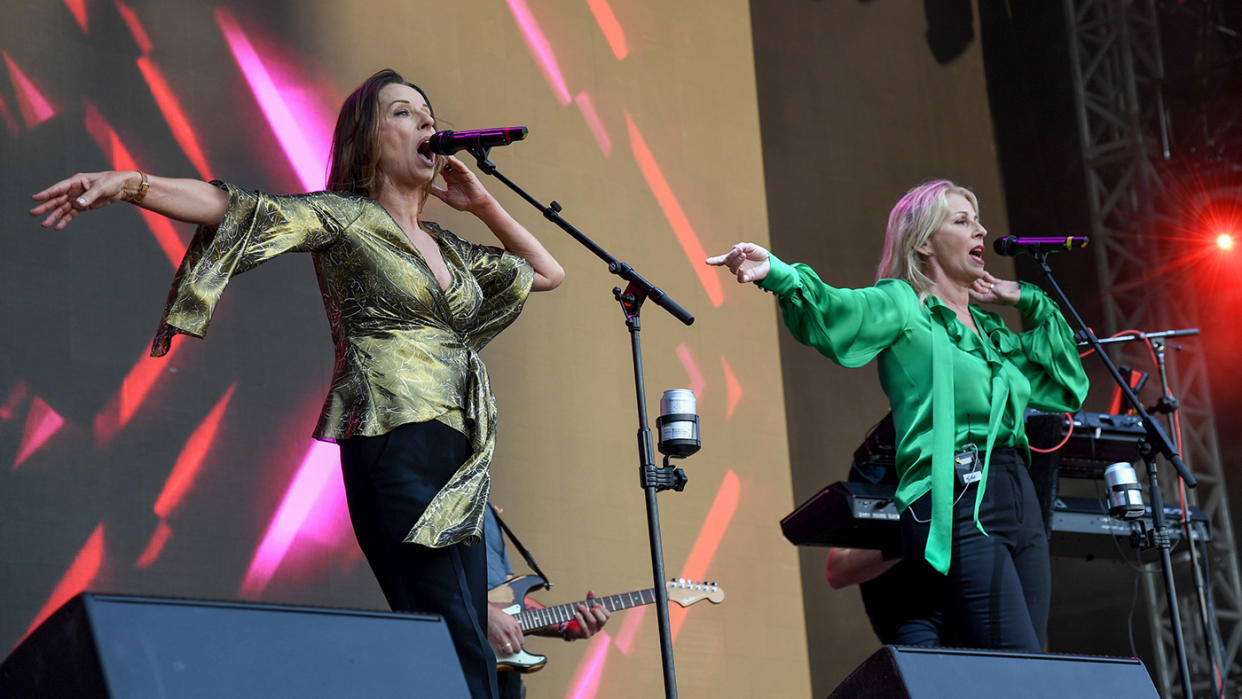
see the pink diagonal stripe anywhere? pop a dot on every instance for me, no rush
(78, 9)
(692, 370)
(610, 26)
(81, 574)
(41, 424)
(309, 165)
(539, 46)
(110, 143)
(704, 549)
(733, 389)
(33, 106)
(676, 217)
(591, 117)
(317, 473)
(135, 27)
(585, 683)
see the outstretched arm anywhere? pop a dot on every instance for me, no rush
(464, 192)
(192, 201)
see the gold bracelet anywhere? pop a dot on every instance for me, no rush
(142, 188)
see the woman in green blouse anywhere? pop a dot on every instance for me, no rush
(409, 304)
(959, 383)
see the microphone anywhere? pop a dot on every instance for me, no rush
(1012, 245)
(449, 142)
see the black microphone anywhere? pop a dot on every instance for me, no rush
(1012, 245)
(449, 142)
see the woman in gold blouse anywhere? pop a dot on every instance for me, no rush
(410, 306)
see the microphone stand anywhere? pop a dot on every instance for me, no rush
(652, 478)
(1157, 443)
(1168, 404)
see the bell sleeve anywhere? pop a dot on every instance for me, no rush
(1049, 354)
(256, 227)
(849, 326)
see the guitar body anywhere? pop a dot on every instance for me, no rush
(512, 595)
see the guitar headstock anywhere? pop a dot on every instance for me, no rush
(687, 592)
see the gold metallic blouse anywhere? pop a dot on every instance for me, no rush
(406, 350)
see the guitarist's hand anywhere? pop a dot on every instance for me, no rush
(587, 622)
(503, 632)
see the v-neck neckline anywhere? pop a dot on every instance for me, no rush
(419, 253)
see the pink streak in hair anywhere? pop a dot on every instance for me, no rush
(78, 8)
(108, 141)
(692, 370)
(704, 549)
(733, 389)
(135, 388)
(81, 573)
(542, 50)
(317, 479)
(610, 26)
(309, 163)
(33, 106)
(135, 27)
(583, 100)
(41, 423)
(585, 683)
(676, 217)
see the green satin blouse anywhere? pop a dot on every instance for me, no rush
(948, 387)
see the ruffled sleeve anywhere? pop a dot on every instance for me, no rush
(256, 227)
(1046, 354)
(849, 326)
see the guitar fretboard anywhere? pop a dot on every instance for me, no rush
(535, 619)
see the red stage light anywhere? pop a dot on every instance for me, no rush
(1224, 241)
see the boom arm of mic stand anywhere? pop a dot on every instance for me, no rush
(552, 212)
(1157, 437)
(1131, 337)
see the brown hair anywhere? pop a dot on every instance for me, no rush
(354, 162)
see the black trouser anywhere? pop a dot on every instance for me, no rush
(997, 591)
(389, 480)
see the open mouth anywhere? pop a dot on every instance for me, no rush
(977, 253)
(424, 152)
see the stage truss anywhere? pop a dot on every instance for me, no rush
(1129, 165)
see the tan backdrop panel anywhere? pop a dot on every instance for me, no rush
(854, 111)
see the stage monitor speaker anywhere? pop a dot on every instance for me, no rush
(905, 671)
(115, 646)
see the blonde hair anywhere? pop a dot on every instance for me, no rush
(913, 220)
